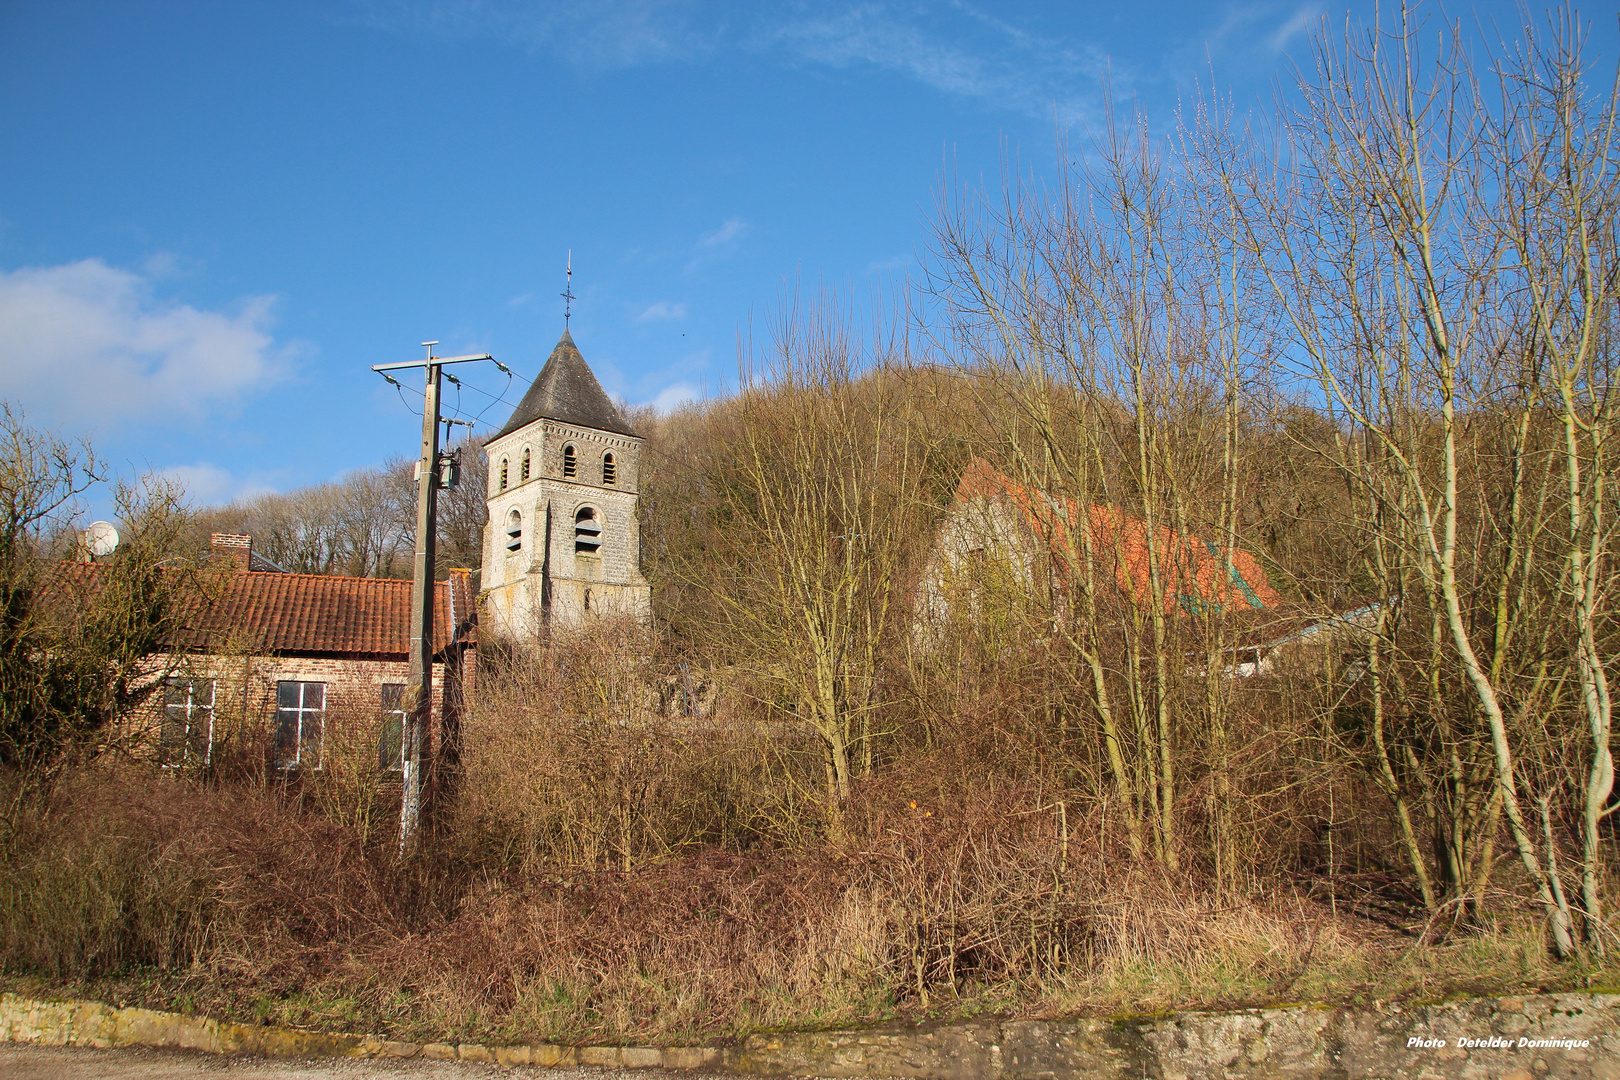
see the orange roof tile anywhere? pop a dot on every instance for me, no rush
(1193, 570)
(307, 614)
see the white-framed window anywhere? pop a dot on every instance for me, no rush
(514, 531)
(523, 470)
(570, 462)
(391, 741)
(187, 737)
(587, 532)
(300, 724)
(610, 470)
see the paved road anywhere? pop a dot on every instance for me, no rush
(139, 1063)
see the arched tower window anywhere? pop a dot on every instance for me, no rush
(514, 531)
(503, 476)
(587, 532)
(570, 462)
(523, 472)
(610, 472)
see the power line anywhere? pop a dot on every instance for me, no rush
(402, 401)
(495, 397)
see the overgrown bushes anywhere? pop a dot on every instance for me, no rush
(955, 891)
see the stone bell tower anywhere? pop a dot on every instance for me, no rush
(563, 543)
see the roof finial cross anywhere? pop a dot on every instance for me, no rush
(568, 291)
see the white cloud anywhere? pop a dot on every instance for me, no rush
(732, 229)
(85, 343)
(673, 397)
(206, 484)
(663, 309)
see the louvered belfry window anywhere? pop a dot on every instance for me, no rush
(587, 532)
(610, 472)
(570, 462)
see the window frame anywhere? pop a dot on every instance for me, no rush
(394, 717)
(190, 708)
(301, 740)
(570, 461)
(610, 469)
(523, 467)
(504, 463)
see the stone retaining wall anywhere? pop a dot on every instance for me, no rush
(1550, 1037)
(1300, 1043)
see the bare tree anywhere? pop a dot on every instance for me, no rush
(1115, 328)
(1445, 261)
(810, 495)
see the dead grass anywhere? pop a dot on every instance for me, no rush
(246, 904)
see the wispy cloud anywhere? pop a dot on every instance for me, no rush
(1003, 66)
(603, 33)
(732, 229)
(85, 343)
(883, 266)
(951, 46)
(1243, 35)
(719, 244)
(1304, 19)
(663, 309)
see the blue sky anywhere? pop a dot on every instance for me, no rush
(215, 216)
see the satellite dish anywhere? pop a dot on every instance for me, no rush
(101, 538)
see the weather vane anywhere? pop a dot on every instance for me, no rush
(568, 290)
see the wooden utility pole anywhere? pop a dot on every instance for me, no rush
(419, 681)
(419, 685)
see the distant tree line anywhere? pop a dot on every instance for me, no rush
(363, 525)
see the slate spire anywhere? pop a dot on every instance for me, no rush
(566, 390)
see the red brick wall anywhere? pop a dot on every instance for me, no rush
(246, 687)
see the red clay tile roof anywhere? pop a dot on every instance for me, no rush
(1194, 573)
(304, 614)
(317, 614)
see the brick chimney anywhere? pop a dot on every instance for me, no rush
(234, 549)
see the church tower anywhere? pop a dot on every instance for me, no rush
(563, 543)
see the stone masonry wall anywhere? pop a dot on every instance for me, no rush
(1556, 1037)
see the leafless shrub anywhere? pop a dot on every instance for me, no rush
(566, 763)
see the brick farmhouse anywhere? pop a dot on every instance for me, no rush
(302, 663)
